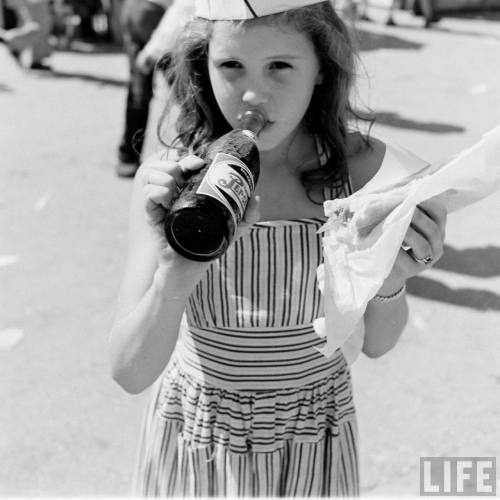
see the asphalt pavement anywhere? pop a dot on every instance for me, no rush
(67, 430)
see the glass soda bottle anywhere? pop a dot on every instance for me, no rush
(202, 221)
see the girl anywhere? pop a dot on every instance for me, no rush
(245, 404)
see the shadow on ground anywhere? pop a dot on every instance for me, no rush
(486, 14)
(368, 40)
(481, 262)
(103, 80)
(5, 88)
(392, 119)
(89, 47)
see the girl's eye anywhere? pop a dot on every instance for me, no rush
(280, 65)
(230, 65)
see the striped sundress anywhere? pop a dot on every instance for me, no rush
(247, 405)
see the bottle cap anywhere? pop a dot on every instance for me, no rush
(246, 9)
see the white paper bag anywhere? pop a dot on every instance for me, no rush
(364, 232)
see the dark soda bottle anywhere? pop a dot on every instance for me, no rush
(202, 220)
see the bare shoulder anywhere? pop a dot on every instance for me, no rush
(365, 157)
(376, 162)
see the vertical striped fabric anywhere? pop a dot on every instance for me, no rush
(247, 405)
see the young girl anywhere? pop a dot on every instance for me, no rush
(245, 405)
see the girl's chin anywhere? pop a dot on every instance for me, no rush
(267, 141)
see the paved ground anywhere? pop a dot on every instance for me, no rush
(66, 429)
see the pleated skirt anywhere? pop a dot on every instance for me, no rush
(199, 440)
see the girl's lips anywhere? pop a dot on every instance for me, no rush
(257, 110)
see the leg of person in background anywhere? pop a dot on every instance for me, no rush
(390, 18)
(428, 10)
(363, 12)
(139, 19)
(27, 28)
(35, 57)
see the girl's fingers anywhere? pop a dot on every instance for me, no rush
(162, 180)
(191, 163)
(157, 196)
(424, 239)
(406, 265)
(435, 211)
(159, 178)
(434, 227)
(179, 171)
(417, 245)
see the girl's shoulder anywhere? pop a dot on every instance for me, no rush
(377, 161)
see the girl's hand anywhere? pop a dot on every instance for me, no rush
(162, 181)
(422, 246)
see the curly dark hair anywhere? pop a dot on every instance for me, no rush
(200, 121)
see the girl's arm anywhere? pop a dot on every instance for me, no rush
(156, 284)
(157, 281)
(386, 318)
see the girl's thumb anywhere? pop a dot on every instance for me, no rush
(190, 163)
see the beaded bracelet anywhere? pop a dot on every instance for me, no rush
(390, 298)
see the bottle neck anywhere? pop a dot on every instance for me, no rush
(249, 133)
(253, 121)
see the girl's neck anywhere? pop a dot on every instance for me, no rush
(294, 155)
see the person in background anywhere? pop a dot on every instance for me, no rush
(25, 28)
(352, 9)
(139, 19)
(426, 8)
(164, 37)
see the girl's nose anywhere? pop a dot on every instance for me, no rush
(255, 95)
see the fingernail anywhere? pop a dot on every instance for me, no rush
(191, 162)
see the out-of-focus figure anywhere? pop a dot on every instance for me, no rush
(150, 29)
(165, 35)
(139, 19)
(25, 26)
(425, 8)
(352, 9)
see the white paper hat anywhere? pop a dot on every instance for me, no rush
(245, 9)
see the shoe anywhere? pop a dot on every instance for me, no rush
(126, 169)
(390, 22)
(40, 66)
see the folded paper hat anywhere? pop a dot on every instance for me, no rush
(246, 9)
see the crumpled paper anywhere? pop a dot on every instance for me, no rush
(364, 232)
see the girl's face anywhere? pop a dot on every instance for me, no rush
(274, 69)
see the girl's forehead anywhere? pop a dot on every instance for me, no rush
(227, 36)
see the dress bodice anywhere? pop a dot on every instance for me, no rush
(267, 279)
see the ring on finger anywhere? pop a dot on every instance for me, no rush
(425, 260)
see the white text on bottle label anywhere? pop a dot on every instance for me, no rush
(229, 181)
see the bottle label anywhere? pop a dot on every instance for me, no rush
(229, 181)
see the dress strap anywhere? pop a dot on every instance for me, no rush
(333, 192)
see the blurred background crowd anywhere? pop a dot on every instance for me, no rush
(37, 26)
(32, 29)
